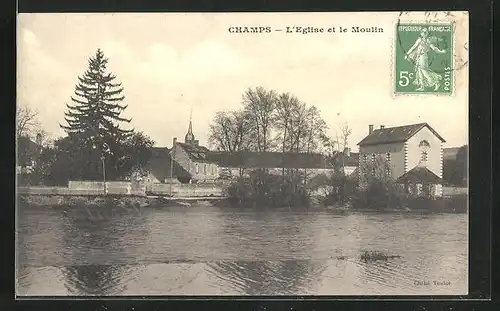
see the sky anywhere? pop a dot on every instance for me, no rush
(171, 63)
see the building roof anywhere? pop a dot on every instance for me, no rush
(269, 160)
(419, 174)
(450, 153)
(195, 152)
(347, 160)
(395, 134)
(159, 165)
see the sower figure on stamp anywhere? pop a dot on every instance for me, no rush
(418, 55)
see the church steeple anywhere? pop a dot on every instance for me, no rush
(189, 138)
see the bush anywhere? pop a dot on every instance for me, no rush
(380, 194)
(262, 189)
(337, 188)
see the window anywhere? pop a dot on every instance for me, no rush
(423, 156)
(388, 171)
(373, 157)
(424, 143)
(204, 169)
(197, 168)
(373, 171)
(388, 157)
(364, 157)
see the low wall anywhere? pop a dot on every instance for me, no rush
(58, 191)
(112, 187)
(126, 189)
(455, 191)
(187, 190)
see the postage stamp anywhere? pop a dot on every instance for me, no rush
(424, 58)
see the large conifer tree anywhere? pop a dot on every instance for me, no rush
(94, 122)
(96, 112)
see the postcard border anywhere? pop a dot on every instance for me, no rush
(480, 219)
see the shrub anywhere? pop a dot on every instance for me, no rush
(262, 189)
(380, 194)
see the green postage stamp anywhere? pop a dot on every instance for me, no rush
(424, 58)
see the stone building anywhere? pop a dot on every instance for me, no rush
(411, 155)
(194, 159)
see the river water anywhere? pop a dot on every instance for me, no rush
(205, 250)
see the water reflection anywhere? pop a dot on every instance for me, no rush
(97, 243)
(290, 277)
(210, 251)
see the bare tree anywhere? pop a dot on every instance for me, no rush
(316, 128)
(259, 106)
(229, 131)
(27, 123)
(345, 132)
(285, 106)
(315, 131)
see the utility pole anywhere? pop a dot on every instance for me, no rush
(104, 175)
(171, 170)
(172, 156)
(104, 151)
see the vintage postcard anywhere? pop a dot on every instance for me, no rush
(242, 154)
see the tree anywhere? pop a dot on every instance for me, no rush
(68, 162)
(96, 113)
(134, 154)
(455, 170)
(94, 120)
(229, 131)
(95, 138)
(27, 123)
(345, 132)
(259, 105)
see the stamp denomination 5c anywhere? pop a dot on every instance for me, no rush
(424, 58)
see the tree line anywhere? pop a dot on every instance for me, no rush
(269, 121)
(278, 122)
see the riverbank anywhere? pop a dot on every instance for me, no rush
(441, 205)
(112, 200)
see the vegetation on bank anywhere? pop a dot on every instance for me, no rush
(264, 190)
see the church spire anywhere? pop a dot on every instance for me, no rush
(189, 138)
(190, 129)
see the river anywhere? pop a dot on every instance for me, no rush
(206, 250)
